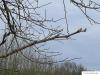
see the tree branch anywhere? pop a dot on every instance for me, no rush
(41, 41)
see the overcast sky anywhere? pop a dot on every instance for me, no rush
(86, 45)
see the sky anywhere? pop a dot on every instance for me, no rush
(86, 45)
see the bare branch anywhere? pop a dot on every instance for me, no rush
(41, 41)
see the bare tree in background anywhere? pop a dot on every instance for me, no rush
(23, 27)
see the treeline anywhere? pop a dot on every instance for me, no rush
(20, 65)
